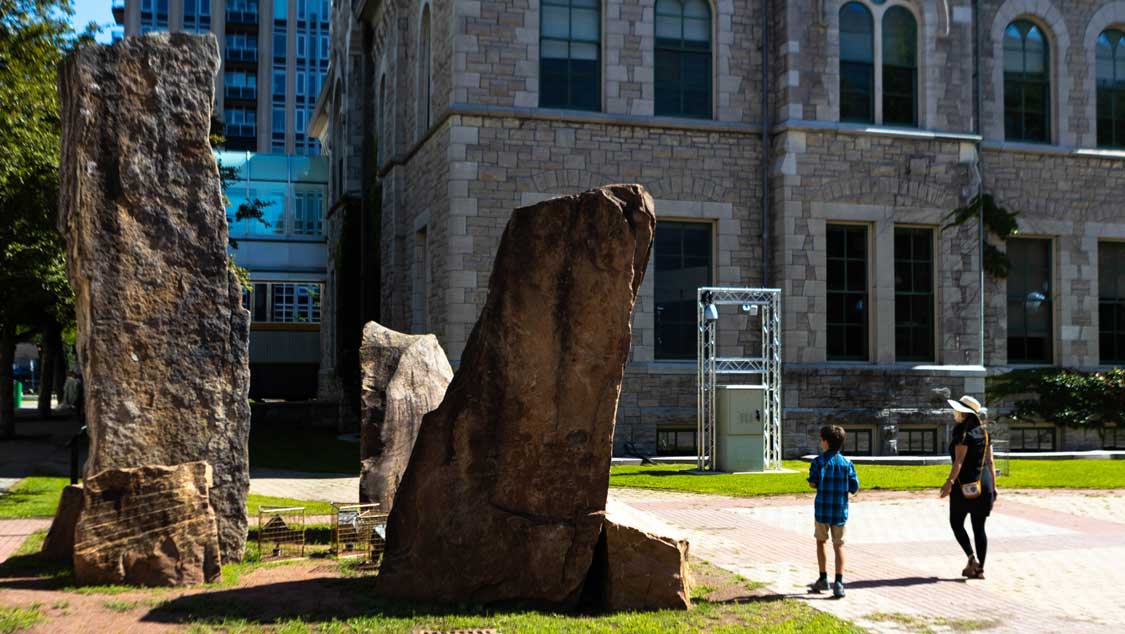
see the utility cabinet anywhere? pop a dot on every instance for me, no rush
(741, 428)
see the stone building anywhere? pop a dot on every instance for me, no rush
(879, 118)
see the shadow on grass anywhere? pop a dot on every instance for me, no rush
(34, 572)
(314, 601)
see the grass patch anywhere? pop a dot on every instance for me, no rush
(36, 496)
(302, 449)
(13, 620)
(1025, 474)
(117, 605)
(925, 625)
(311, 507)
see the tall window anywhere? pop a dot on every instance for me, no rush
(284, 302)
(914, 294)
(682, 265)
(425, 77)
(1029, 301)
(900, 67)
(569, 54)
(847, 293)
(1111, 88)
(1027, 84)
(683, 58)
(857, 64)
(1111, 302)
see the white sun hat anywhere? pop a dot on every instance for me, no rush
(967, 405)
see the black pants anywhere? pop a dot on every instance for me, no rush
(957, 521)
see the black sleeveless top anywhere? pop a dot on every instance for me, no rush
(974, 440)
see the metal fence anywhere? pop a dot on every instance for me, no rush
(358, 530)
(281, 532)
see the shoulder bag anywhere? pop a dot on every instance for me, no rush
(972, 490)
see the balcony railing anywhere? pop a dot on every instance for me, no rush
(236, 16)
(249, 93)
(242, 55)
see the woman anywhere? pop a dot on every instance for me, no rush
(971, 485)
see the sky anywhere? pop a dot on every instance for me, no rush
(100, 11)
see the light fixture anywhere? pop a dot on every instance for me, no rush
(711, 312)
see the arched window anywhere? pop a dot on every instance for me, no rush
(683, 58)
(425, 74)
(900, 67)
(1027, 83)
(857, 64)
(570, 54)
(1111, 88)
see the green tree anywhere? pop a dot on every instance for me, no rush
(1065, 397)
(34, 290)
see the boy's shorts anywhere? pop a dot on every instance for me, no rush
(822, 531)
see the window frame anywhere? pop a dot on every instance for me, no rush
(1047, 304)
(1046, 84)
(1114, 301)
(851, 438)
(1115, 95)
(865, 327)
(877, 11)
(906, 433)
(931, 312)
(1039, 431)
(570, 103)
(677, 449)
(658, 353)
(1118, 442)
(314, 311)
(682, 51)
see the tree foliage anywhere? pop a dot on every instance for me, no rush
(1069, 398)
(997, 220)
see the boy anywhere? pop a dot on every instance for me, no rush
(833, 477)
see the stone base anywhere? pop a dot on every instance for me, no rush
(59, 544)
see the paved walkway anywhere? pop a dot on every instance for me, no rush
(321, 487)
(1054, 563)
(13, 532)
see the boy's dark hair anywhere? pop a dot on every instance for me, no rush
(834, 435)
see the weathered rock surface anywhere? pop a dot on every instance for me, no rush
(646, 565)
(503, 498)
(404, 378)
(59, 544)
(162, 335)
(149, 526)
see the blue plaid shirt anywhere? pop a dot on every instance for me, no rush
(834, 477)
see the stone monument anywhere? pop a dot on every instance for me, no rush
(404, 378)
(504, 497)
(162, 335)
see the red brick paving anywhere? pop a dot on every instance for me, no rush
(13, 532)
(1048, 571)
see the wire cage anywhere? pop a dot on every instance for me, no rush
(281, 532)
(763, 370)
(358, 530)
(1000, 449)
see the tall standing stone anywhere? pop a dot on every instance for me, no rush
(404, 378)
(504, 497)
(162, 335)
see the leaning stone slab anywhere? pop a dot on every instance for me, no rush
(503, 499)
(404, 378)
(59, 544)
(162, 335)
(646, 565)
(149, 526)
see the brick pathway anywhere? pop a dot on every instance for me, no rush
(299, 485)
(1049, 570)
(13, 532)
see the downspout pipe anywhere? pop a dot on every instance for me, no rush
(766, 277)
(977, 114)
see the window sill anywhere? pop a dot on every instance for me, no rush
(909, 368)
(1053, 150)
(871, 129)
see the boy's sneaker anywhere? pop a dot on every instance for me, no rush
(819, 586)
(838, 589)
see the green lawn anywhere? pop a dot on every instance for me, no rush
(1025, 474)
(38, 496)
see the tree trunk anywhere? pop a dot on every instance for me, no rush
(49, 360)
(7, 403)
